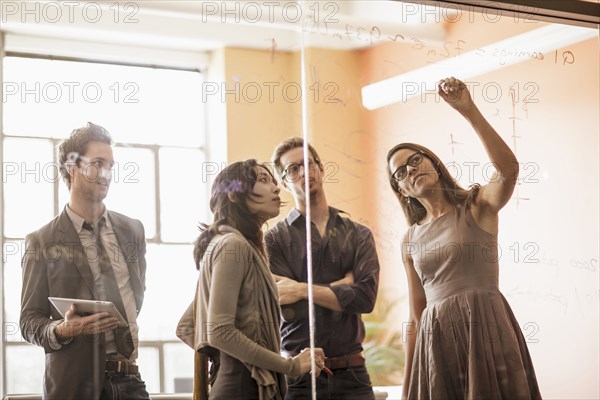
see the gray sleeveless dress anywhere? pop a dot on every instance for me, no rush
(469, 344)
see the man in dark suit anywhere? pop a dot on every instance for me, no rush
(90, 253)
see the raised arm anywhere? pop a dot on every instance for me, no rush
(494, 195)
(417, 303)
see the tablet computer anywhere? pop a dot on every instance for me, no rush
(87, 307)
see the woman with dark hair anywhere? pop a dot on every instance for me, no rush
(467, 343)
(234, 320)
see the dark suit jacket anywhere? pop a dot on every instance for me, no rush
(54, 264)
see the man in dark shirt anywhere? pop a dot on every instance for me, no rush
(345, 280)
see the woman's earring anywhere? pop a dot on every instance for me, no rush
(407, 200)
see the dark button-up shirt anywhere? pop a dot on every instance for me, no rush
(346, 246)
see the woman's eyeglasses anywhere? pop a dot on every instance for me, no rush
(414, 160)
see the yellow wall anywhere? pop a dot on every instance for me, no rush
(255, 127)
(259, 116)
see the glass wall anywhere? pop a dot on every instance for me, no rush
(355, 78)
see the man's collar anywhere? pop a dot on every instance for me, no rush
(78, 220)
(295, 214)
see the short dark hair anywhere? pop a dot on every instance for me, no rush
(77, 144)
(286, 146)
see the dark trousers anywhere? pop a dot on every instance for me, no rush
(123, 387)
(345, 384)
(234, 381)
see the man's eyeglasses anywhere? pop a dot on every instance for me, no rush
(414, 160)
(292, 171)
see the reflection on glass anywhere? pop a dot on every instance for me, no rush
(29, 176)
(184, 180)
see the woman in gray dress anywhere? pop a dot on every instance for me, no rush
(465, 342)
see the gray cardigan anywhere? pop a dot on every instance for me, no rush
(238, 311)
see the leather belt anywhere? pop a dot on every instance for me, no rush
(345, 361)
(340, 362)
(121, 367)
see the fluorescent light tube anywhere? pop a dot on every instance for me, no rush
(474, 63)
